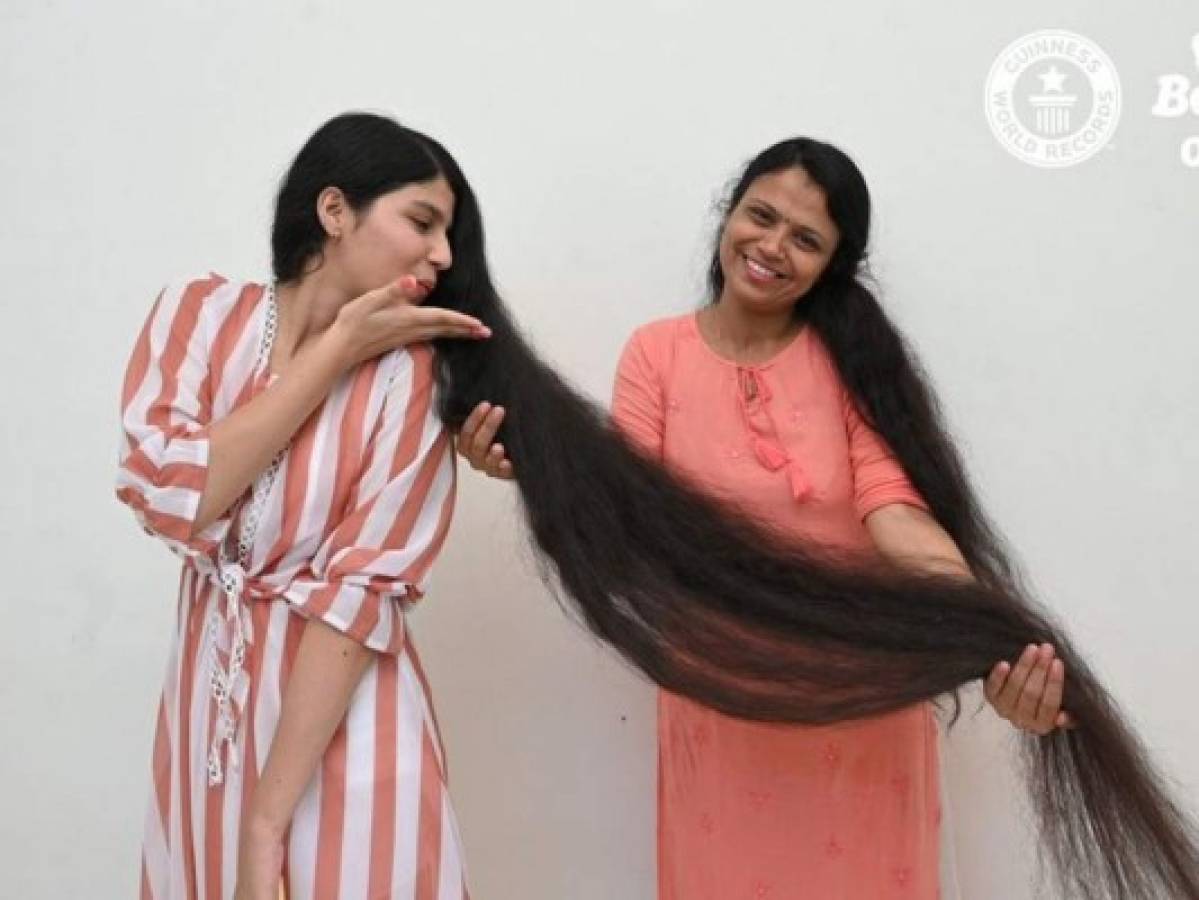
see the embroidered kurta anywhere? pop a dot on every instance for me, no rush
(763, 811)
(343, 527)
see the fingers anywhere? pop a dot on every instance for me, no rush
(434, 322)
(391, 293)
(410, 288)
(497, 465)
(404, 289)
(1005, 702)
(996, 680)
(467, 432)
(1051, 700)
(478, 432)
(1030, 694)
(1034, 688)
(398, 296)
(484, 436)
(476, 441)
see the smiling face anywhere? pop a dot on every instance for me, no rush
(402, 232)
(776, 243)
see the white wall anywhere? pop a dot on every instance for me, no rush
(1056, 311)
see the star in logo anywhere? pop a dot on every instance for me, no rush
(1052, 80)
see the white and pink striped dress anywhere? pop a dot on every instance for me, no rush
(343, 527)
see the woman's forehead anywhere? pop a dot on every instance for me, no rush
(793, 187)
(794, 195)
(435, 193)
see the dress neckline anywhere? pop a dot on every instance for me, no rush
(693, 323)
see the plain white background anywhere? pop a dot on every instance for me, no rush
(1055, 310)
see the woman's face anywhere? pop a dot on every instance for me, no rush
(403, 232)
(777, 242)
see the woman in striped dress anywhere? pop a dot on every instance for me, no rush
(283, 439)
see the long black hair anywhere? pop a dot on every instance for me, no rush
(713, 605)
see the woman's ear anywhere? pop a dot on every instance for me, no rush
(334, 212)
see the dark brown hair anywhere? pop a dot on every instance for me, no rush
(710, 604)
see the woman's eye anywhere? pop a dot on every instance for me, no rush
(421, 225)
(759, 216)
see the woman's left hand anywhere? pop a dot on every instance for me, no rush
(476, 442)
(259, 863)
(1029, 695)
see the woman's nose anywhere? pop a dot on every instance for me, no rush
(772, 242)
(441, 256)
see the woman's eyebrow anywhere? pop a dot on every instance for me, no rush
(798, 226)
(432, 210)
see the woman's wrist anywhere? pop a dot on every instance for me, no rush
(264, 825)
(330, 354)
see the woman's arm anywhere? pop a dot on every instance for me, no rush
(1028, 694)
(353, 592)
(911, 538)
(243, 443)
(324, 676)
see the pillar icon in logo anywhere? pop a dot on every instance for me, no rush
(1053, 107)
(1053, 99)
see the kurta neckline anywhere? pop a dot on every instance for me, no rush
(693, 324)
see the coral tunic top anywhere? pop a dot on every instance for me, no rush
(751, 810)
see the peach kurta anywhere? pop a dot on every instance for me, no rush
(342, 527)
(762, 811)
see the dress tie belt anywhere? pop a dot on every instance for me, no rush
(229, 683)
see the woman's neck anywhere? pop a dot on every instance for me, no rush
(306, 308)
(744, 337)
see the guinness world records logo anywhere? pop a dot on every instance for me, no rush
(1053, 98)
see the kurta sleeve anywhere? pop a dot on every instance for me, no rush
(638, 407)
(378, 556)
(166, 411)
(878, 478)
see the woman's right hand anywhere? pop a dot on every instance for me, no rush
(391, 317)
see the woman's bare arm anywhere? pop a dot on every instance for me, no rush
(242, 444)
(1029, 693)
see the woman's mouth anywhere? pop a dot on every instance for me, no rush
(759, 273)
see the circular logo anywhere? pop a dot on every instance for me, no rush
(1053, 98)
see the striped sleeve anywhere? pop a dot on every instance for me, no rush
(380, 554)
(165, 413)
